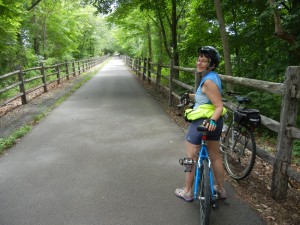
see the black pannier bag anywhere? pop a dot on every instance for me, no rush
(247, 117)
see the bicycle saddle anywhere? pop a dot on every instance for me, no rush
(242, 99)
(201, 128)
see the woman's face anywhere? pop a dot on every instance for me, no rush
(202, 63)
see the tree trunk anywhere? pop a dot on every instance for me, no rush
(175, 55)
(226, 51)
(281, 33)
(44, 40)
(149, 41)
(34, 4)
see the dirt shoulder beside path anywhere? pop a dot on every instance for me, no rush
(15, 115)
(255, 190)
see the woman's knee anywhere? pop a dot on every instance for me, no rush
(192, 150)
(214, 150)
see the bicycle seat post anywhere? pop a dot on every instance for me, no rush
(204, 137)
(203, 130)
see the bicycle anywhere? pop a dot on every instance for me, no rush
(238, 144)
(203, 181)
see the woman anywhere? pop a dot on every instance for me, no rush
(208, 92)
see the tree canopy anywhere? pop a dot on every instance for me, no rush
(49, 31)
(262, 37)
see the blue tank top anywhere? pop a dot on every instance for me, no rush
(201, 98)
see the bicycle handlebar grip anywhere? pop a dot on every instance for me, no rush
(181, 105)
(185, 99)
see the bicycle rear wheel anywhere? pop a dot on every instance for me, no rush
(204, 194)
(239, 151)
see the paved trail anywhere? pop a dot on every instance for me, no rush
(108, 155)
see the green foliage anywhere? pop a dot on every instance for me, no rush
(8, 142)
(296, 150)
(11, 13)
(52, 31)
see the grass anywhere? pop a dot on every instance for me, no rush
(12, 139)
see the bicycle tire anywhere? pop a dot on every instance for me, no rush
(240, 154)
(204, 194)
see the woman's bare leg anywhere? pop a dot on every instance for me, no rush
(216, 162)
(191, 152)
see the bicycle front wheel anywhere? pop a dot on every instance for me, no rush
(204, 194)
(239, 151)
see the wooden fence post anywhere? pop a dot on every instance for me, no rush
(74, 71)
(197, 80)
(22, 86)
(139, 66)
(158, 74)
(171, 81)
(136, 66)
(288, 116)
(58, 74)
(144, 68)
(67, 70)
(149, 70)
(44, 80)
(79, 67)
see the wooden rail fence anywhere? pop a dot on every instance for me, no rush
(23, 80)
(287, 132)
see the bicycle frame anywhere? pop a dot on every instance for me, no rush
(203, 155)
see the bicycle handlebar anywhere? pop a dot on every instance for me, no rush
(230, 93)
(239, 99)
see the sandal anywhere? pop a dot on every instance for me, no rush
(221, 194)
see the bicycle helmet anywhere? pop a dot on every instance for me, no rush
(211, 53)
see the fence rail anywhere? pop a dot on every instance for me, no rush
(42, 77)
(287, 132)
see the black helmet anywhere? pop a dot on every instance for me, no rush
(211, 53)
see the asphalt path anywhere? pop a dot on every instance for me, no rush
(108, 155)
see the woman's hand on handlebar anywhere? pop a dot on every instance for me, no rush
(184, 100)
